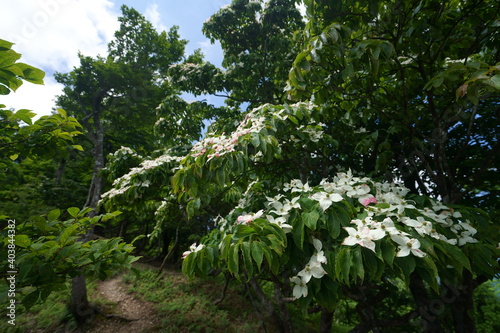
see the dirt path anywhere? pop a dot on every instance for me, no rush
(128, 314)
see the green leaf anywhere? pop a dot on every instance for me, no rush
(234, 259)
(247, 258)
(25, 115)
(310, 219)
(31, 299)
(343, 265)
(192, 207)
(32, 74)
(22, 241)
(257, 254)
(407, 266)
(494, 81)
(388, 251)
(67, 233)
(63, 113)
(53, 215)
(188, 265)
(73, 211)
(333, 226)
(5, 44)
(298, 232)
(357, 260)
(456, 256)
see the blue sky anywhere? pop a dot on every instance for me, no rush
(50, 33)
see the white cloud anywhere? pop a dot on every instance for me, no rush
(153, 15)
(49, 34)
(38, 98)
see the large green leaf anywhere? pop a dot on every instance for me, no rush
(310, 219)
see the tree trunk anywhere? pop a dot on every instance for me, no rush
(266, 309)
(60, 171)
(285, 315)
(95, 190)
(430, 319)
(326, 321)
(82, 310)
(463, 305)
(123, 228)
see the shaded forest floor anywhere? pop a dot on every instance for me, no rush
(122, 310)
(144, 302)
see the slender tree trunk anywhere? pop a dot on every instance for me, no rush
(95, 190)
(285, 315)
(82, 310)
(60, 171)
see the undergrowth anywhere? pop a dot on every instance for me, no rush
(188, 306)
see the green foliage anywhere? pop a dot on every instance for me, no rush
(12, 73)
(19, 134)
(49, 251)
(419, 80)
(487, 307)
(257, 40)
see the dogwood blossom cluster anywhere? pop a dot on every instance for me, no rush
(312, 269)
(383, 212)
(132, 178)
(255, 122)
(223, 144)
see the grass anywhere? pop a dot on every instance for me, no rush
(188, 306)
(51, 316)
(184, 306)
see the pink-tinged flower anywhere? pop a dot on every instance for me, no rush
(407, 245)
(192, 248)
(367, 199)
(249, 217)
(300, 288)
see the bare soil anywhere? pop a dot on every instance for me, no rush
(122, 312)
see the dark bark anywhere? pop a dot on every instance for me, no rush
(169, 254)
(326, 321)
(463, 305)
(81, 309)
(430, 317)
(265, 308)
(286, 321)
(60, 171)
(95, 190)
(123, 228)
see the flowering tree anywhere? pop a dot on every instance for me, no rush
(317, 239)
(386, 100)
